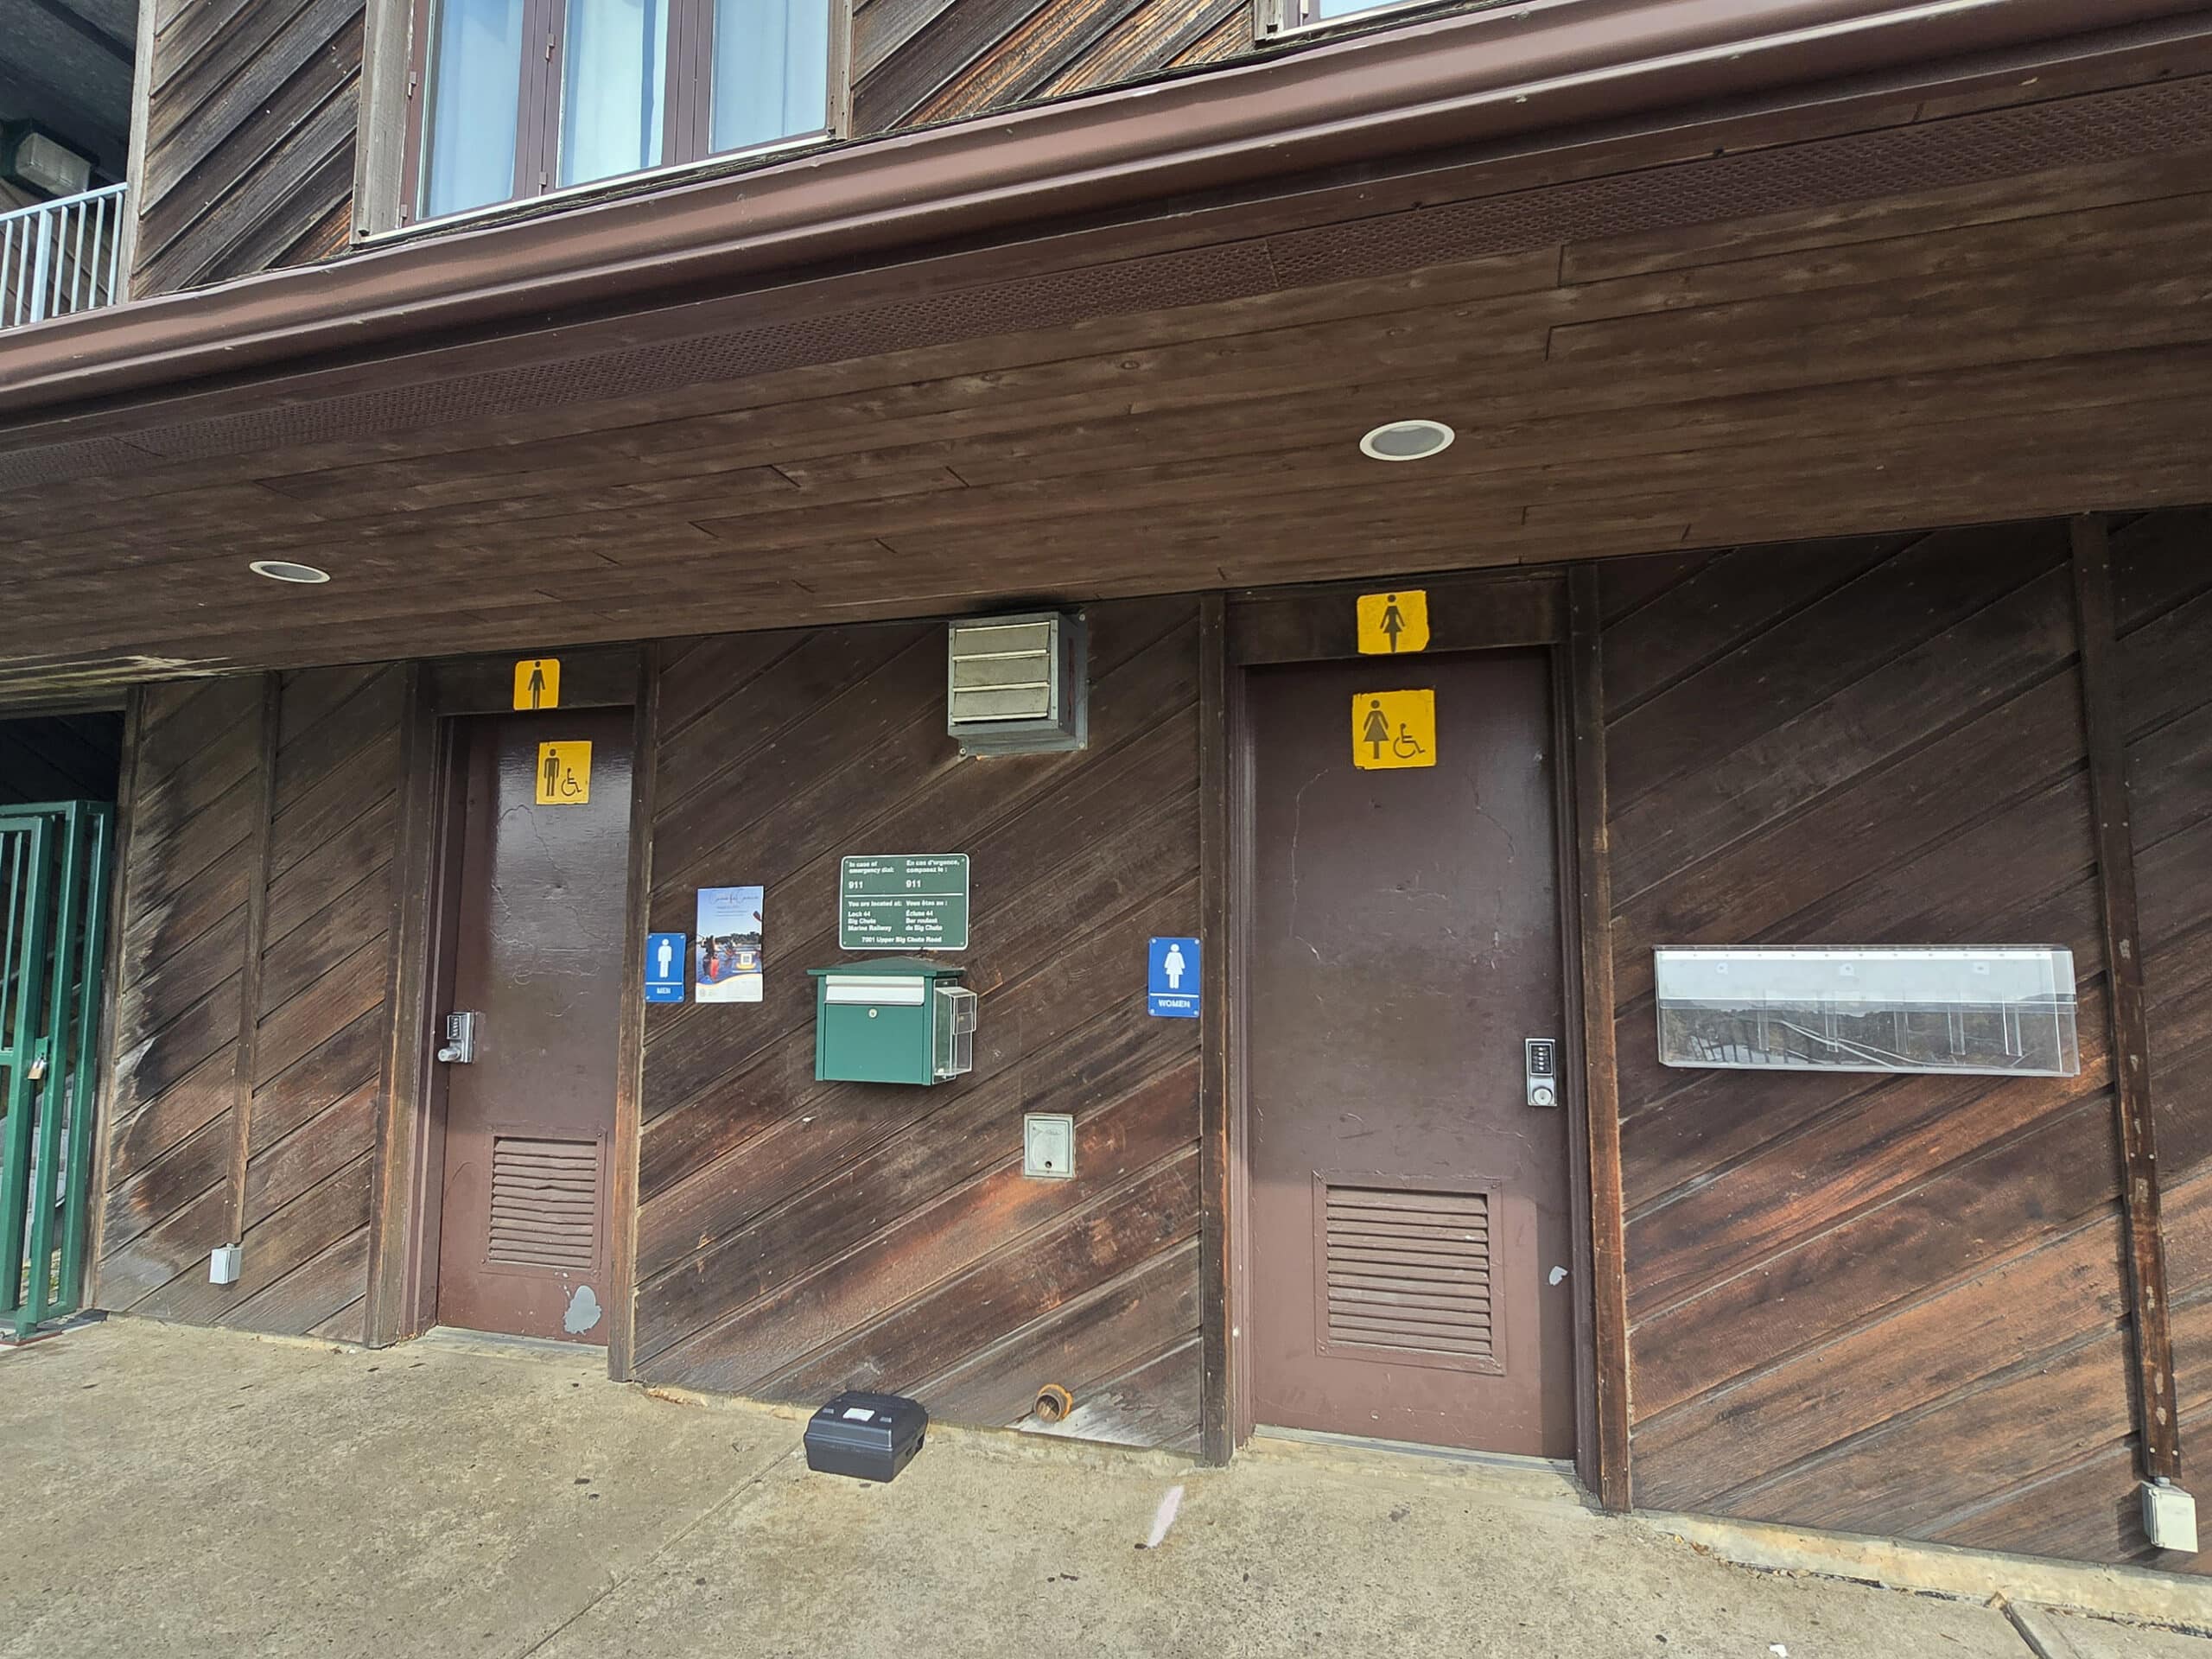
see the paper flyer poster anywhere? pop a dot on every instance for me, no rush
(727, 965)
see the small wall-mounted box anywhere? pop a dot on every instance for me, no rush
(1048, 1146)
(2004, 1009)
(2169, 1516)
(895, 1019)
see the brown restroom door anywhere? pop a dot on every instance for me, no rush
(1408, 1207)
(524, 1236)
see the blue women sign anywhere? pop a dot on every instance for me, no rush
(1172, 979)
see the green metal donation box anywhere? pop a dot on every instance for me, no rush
(896, 1020)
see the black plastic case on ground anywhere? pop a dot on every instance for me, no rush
(868, 1436)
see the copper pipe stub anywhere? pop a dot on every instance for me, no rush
(1053, 1403)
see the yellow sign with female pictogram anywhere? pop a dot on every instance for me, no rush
(1392, 625)
(1392, 730)
(564, 774)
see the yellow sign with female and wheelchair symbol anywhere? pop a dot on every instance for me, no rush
(564, 774)
(1392, 730)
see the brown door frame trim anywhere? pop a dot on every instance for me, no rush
(1220, 1113)
(1603, 1461)
(404, 1216)
(1519, 608)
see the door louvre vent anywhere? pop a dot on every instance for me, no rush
(544, 1204)
(1407, 1274)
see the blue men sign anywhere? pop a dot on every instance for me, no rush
(1172, 979)
(665, 967)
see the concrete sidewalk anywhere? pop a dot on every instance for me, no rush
(170, 1492)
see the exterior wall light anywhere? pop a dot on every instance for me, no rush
(1406, 440)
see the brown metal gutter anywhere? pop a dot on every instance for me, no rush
(1453, 82)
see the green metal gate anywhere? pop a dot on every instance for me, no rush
(53, 871)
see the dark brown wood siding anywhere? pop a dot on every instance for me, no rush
(916, 61)
(257, 867)
(250, 138)
(796, 1237)
(1889, 1305)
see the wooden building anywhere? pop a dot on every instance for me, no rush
(1819, 557)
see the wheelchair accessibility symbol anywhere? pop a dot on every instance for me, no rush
(1392, 730)
(564, 774)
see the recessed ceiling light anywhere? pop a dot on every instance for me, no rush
(1407, 440)
(285, 570)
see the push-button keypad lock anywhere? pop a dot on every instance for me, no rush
(1540, 1063)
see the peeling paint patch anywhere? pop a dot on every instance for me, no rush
(583, 1311)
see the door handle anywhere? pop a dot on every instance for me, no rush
(460, 1047)
(1539, 1067)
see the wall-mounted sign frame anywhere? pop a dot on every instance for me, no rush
(903, 901)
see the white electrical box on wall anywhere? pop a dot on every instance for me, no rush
(2169, 1516)
(223, 1263)
(1999, 1009)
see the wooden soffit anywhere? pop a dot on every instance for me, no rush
(1973, 292)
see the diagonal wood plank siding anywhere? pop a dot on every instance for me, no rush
(250, 134)
(795, 1238)
(916, 61)
(307, 899)
(1866, 741)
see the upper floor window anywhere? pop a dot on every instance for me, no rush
(1289, 16)
(521, 97)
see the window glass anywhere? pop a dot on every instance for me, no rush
(611, 103)
(474, 88)
(772, 70)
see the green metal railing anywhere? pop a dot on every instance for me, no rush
(54, 872)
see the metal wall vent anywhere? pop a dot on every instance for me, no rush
(1407, 1274)
(1018, 685)
(544, 1204)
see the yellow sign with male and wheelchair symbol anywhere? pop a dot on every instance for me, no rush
(564, 774)
(1392, 730)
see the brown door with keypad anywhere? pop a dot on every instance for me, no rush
(524, 1233)
(1411, 1253)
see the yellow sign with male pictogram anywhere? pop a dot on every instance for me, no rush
(1393, 625)
(1392, 730)
(564, 774)
(537, 683)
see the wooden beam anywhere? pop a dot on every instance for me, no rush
(118, 899)
(256, 930)
(1216, 1433)
(1601, 1077)
(395, 1219)
(2106, 721)
(629, 1078)
(1482, 611)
